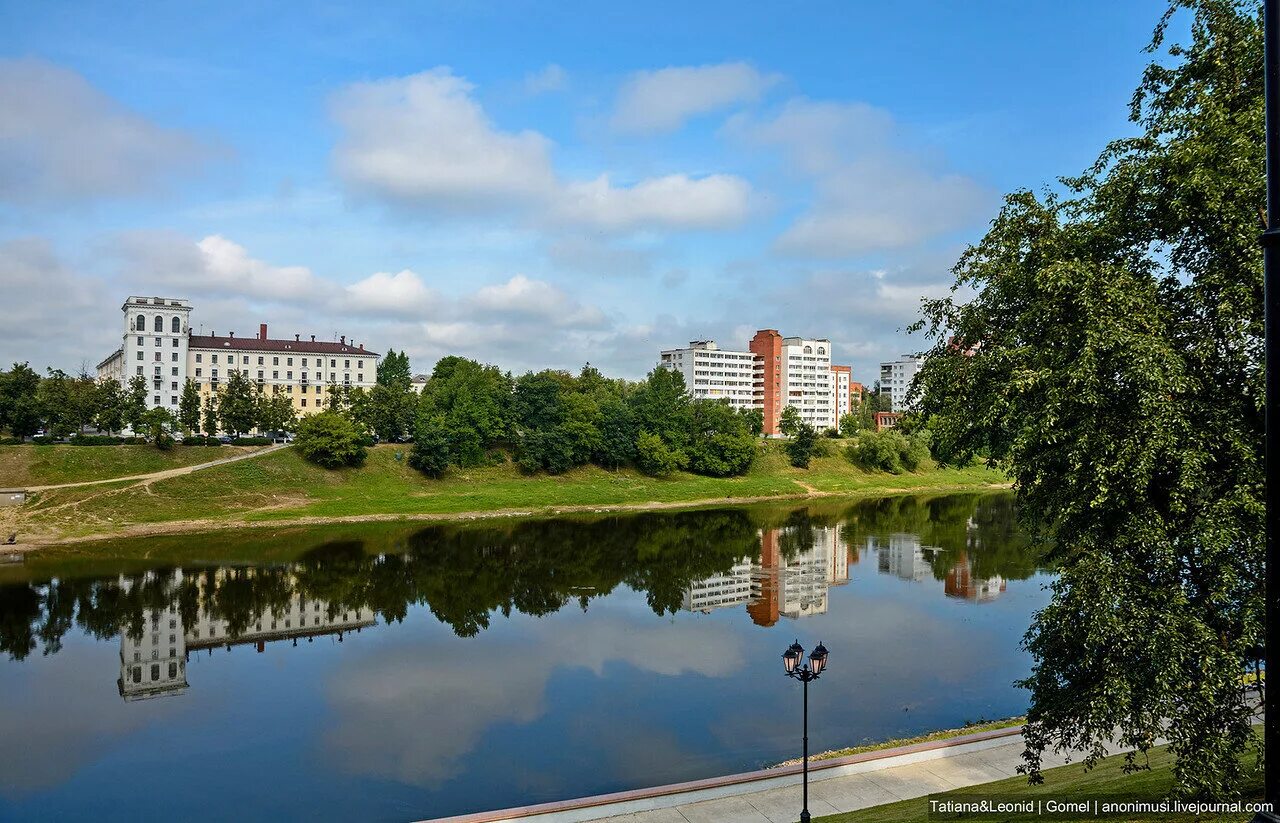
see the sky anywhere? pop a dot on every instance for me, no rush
(535, 185)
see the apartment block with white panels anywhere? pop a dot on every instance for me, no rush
(807, 380)
(712, 373)
(153, 345)
(896, 377)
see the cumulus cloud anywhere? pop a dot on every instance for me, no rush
(660, 101)
(870, 193)
(548, 79)
(422, 141)
(400, 293)
(521, 297)
(62, 140)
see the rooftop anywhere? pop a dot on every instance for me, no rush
(297, 344)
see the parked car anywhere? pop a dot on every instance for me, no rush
(225, 438)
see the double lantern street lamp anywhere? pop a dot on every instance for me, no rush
(793, 660)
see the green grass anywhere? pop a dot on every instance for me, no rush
(23, 466)
(282, 486)
(1107, 781)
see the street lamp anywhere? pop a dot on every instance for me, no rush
(793, 663)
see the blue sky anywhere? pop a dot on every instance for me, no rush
(535, 185)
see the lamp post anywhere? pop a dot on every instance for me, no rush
(793, 661)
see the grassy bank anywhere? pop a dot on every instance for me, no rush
(283, 487)
(23, 466)
(1107, 781)
(941, 734)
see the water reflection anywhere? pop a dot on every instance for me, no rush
(628, 639)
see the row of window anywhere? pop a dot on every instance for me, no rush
(275, 375)
(159, 341)
(141, 324)
(275, 361)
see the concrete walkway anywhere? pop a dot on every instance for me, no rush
(164, 473)
(774, 795)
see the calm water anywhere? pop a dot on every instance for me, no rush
(397, 673)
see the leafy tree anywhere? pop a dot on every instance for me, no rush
(19, 410)
(335, 397)
(719, 444)
(56, 404)
(801, 445)
(660, 406)
(211, 414)
(616, 445)
(887, 451)
(237, 403)
(1118, 375)
(109, 405)
(790, 422)
(655, 458)
(754, 419)
(390, 410)
(330, 440)
(189, 407)
(850, 423)
(274, 411)
(430, 453)
(158, 424)
(393, 371)
(135, 403)
(476, 403)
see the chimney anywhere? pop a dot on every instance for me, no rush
(313, 338)
(362, 347)
(212, 333)
(262, 331)
(297, 337)
(231, 335)
(343, 338)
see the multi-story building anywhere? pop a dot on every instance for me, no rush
(303, 370)
(158, 344)
(896, 377)
(154, 346)
(712, 373)
(842, 390)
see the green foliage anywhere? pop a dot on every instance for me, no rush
(754, 420)
(273, 412)
(393, 371)
(616, 444)
(789, 422)
(189, 407)
(19, 411)
(720, 444)
(211, 414)
(801, 446)
(1118, 374)
(889, 451)
(237, 403)
(391, 408)
(330, 440)
(135, 403)
(158, 424)
(430, 453)
(850, 423)
(108, 402)
(655, 458)
(475, 401)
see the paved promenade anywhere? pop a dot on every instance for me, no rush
(773, 796)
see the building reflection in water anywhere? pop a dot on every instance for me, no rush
(771, 585)
(154, 664)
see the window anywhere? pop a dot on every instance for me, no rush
(157, 357)
(139, 368)
(214, 358)
(198, 356)
(304, 362)
(173, 386)
(275, 375)
(288, 375)
(139, 340)
(359, 364)
(139, 354)
(275, 361)
(137, 674)
(173, 667)
(259, 372)
(157, 400)
(359, 378)
(246, 359)
(288, 361)
(159, 323)
(173, 372)
(346, 364)
(215, 374)
(175, 342)
(155, 667)
(173, 398)
(173, 357)
(304, 402)
(176, 326)
(332, 363)
(197, 371)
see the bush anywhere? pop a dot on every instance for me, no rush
(12, 441)
(96, 440)
(655, 458)
(889, 451)
(252, 441)
(430, 453)
(330, 440)
(822, 447)
(800, 447)
(197, 440)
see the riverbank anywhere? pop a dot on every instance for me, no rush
(281, 489)
(47, 465)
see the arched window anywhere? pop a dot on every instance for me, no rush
(808, 349)
(142, 322)
(159, 323)
(821, 350)
(177, 325)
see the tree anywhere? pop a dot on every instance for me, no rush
(211, 414)
(158, 424)
(237, 406)
(109, 405)
(189, 407)
(800, 447)
(19, 410)
(56, 404)
(850, 423)
(393, 371)
(1111, 358)
(754, 419)
(330, 440)
(616, 446)
(719, 443)
(789, 423)
(274, 411)
(390, 410)
(655, 458)
(135, 403)
(430, 453)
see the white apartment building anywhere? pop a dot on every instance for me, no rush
(807, 380)
(153, 345)
(712, 373)
(896, 377)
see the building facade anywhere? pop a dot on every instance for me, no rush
(712, 373)
(842, 389)
(157, 344)
(896, 377)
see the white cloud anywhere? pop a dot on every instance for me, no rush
(521, 297)
(869, 193)
(63, 140)
(662, 100)
(400, 293)
(674, 201)
(228, 266)
(548, 79)
(422, 141)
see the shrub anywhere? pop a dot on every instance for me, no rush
(800, 447)
(549, 449)
(12, 441)
(655, 458)
(889, 451)
(822, 447)
(330, 440)
(430, 453)
(96, 440)
(252, 441)
(197, 440)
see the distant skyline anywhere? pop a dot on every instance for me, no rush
(532, 185)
